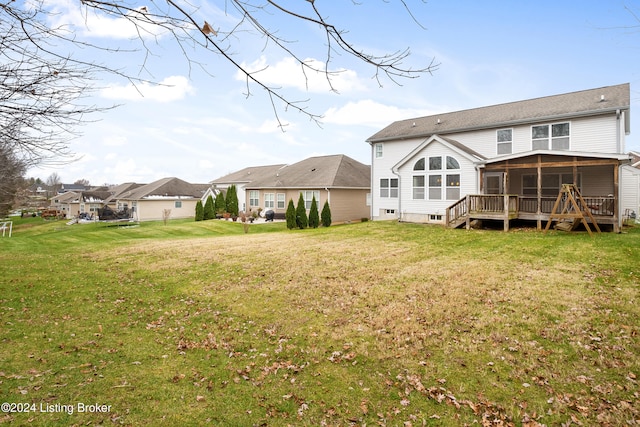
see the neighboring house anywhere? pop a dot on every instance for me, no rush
(92, 201)
(342, 181)
(151, 201)
(243, 177)
(505, 161)
(67, 202)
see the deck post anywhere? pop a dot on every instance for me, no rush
(506, 212)
(616, 199)
(468, 220)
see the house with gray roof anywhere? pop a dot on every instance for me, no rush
(517, 156)
(241, 179)
(153, 201)
(338, 179)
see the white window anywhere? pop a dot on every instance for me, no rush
(281, 200)
(451, 180)
(504, 139)
(254, 198)
(418, 187)
(435, 187)
(453, 186)
(435, 163)
(308, 196)
(558, 134)
(269, 200)
(378, 149)
(389, 187)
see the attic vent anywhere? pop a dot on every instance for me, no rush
(414, 124)
(438, 121)
(602, 98)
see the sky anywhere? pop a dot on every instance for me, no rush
(200, 124)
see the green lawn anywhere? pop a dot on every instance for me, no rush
(376, 323)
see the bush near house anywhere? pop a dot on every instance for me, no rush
(199, 211)
(208, 209)
(301, 214)
(314, 219)
(232, 201)
(325, 216)
(220, 205)
(291, 215)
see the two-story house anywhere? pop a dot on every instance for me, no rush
(517, 154)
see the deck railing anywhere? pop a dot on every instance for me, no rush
(599, 205)
(481, 205)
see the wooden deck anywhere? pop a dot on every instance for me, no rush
(505, 207)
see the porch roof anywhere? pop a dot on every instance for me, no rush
(622, 158)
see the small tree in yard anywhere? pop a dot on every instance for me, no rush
(314, 220)
(220, 205)
(199, 211)
(325, 216)
(232, 201)
(208, 209)
(301, 214)
(291, 215)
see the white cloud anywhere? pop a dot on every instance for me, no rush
(170, 89)
(370, 113)
(114, 141)
(128, 171)
(92, 22)
(289, 73)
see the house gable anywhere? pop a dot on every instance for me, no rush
(450, 144)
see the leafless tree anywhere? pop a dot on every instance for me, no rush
(48, 67)
(191, 26)
(11, 172)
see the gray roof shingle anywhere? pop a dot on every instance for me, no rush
(575, 104)
(249, 174)
(334, 171)
(166, 187)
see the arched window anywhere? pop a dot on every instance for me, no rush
(419, 166)
(452, 163)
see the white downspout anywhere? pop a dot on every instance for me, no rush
(619, 147)
(399, 193)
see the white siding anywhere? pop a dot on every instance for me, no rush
(594, 134)
(420, 210)
(392, 153)
(629, 190)
(591, 134)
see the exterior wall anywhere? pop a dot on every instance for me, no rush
(433, 210)
(152, 210)
(346, 204)
(596, 134)
(392, 153)
(629, 190)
